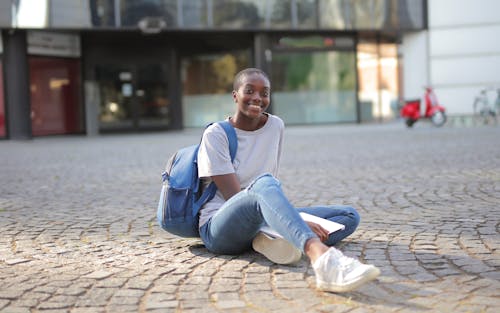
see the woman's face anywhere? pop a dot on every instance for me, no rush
(253, 95)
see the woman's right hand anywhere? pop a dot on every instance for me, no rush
(318, 230)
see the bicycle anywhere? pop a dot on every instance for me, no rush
(484, 110)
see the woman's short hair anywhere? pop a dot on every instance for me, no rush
(238, 79)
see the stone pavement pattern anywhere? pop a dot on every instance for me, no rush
(78, 230)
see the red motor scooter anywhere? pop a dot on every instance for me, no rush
(411, 110)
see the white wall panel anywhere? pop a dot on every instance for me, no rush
(466, 71)
(464, 41)
(457, 100)
(463, 52)
(415, 69)
(462, 12)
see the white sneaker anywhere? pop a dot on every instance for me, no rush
(278, 250)
(338, 273)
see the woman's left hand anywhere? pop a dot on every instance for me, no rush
(318, 230)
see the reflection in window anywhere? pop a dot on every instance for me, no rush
(306, 14)
(115, 94)
(334, 14)
(367, 14)
(370, 14)
(102, 12)
(250, 14)
(133, 11)
(352, 14)
(315, 42)
(152, 96)
(65, 13)
(237, 13)
(398, 14)
(314, 87)
(255, 14)
(194, 14)
(378, 80)
(31, 14)
(278, 14)
(207, 85)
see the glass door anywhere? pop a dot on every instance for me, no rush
(207, 83)
(314, 87)
(314, 79)
(115, 93)
(133, 96)
(152, 96)
(378, 80)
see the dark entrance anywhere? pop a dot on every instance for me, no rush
(131, 80)
(133, 96)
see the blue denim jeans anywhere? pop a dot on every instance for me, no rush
(232, 229)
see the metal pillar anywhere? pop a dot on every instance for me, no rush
(17, 90)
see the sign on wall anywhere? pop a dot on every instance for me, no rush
(54, 44)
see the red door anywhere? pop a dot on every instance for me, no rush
(55, 96)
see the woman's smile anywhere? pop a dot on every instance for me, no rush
(255, 107)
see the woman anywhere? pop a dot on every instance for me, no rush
(250, 197)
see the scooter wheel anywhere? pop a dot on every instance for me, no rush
(409, 122)
(438, 118)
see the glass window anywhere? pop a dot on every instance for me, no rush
(306, 14)
(194, 14)
(252, 14)
(334, 14)
(115, 96)
(315, 42)
(102, 13)
(314, 87)
(55, 96)
(238, 13)
(278, 14)
(152, 95)
(2, 105)
(411, 14)
(378, 80)
(133, 96)
(65, 13)
(352, 14)
(133, 11)
(207, 85)
(367, 14)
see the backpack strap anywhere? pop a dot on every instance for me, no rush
(211, 189)
(231, 136)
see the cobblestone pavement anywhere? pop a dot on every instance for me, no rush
(78, 230)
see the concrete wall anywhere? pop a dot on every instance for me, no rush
(463, 52)
(415, 52)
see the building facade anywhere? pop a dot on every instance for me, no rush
(459, 54)
(96, 66)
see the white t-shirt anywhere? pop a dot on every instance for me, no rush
(258, 152)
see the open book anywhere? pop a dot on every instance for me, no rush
(330, 226)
